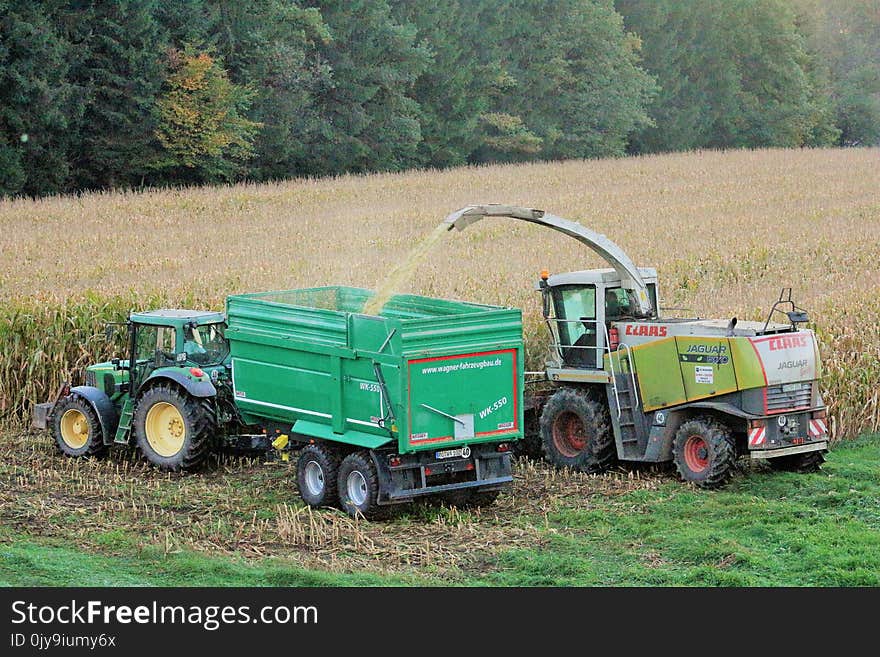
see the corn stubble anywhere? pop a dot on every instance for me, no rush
(725, 230)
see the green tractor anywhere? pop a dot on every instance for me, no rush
(164, 394)
(625, 384)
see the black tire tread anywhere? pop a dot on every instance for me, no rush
(721, 446)
(95, 445)
(601, 450)
(362, 461)
(198, 413)
(329, 459)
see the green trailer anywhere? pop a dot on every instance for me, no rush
(424, 398)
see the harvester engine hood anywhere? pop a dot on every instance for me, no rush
(629, 274)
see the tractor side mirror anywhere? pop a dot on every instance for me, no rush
(109, 332)
(115, 362)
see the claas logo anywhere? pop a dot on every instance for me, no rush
(645, 329)
(789, 342)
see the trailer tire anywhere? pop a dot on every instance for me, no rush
(358, 486)
(316, 470)
(173, 429)
(704, 452)
(802, 463)
(576, 432)
(77, 428)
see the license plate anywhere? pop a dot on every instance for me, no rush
(461, 452)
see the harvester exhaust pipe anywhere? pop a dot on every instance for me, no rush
(629, 274)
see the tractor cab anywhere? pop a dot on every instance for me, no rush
(580, 306)
(176, 338)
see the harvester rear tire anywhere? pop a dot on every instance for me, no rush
(576, 432)
(316, 470)
(76, 428)
(358, 486)
(802, 463)
(186, 441)
(704, 452)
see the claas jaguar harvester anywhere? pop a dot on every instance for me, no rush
(424, 398)
(624, 383)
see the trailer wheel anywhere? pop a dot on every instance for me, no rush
(76, 428)
(173, 429)
(316, 471)
(358, 486)
(803, 463)
(704, 452)
(576, 432)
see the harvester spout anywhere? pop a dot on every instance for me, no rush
(629, 274)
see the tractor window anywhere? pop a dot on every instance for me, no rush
(153, 341)
(205, 345)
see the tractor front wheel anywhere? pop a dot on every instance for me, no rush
(173, 429)
(576, 432)
(76, 428)
(704, 452)
(316, 471)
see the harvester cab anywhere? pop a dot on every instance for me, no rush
(627, 384)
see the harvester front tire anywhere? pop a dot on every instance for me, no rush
(358, 486)
(76, 428)
(576, 432)
(316, 475)
(704, 452)
(173, 429)
(802, 463)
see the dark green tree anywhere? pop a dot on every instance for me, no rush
(274, 46)
(568, 81)
(367, 119)
(732, 73)
(118, 74)
(35, 100)
(845, 37)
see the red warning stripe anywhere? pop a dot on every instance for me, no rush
(757, 436)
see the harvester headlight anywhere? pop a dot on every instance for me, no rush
(782, 420)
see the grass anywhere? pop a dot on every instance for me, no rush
(726, 230)
(105, 523)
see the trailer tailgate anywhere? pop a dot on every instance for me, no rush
(463, 398)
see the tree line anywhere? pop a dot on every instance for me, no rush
(97, 94)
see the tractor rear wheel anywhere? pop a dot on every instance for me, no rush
(76, 428)
(316, 470)
(803, 463)
(704, 452)
(173, 429)
(358, 485)
(576, 432)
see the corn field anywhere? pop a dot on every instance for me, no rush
(725, 230)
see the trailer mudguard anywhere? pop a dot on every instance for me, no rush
(106, 411)
(195, 387)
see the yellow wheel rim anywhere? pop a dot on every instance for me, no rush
(165, 429)
(74, 428)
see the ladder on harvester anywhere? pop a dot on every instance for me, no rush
(630, 420)
(124, 427)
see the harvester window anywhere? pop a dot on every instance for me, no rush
(577, 326)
